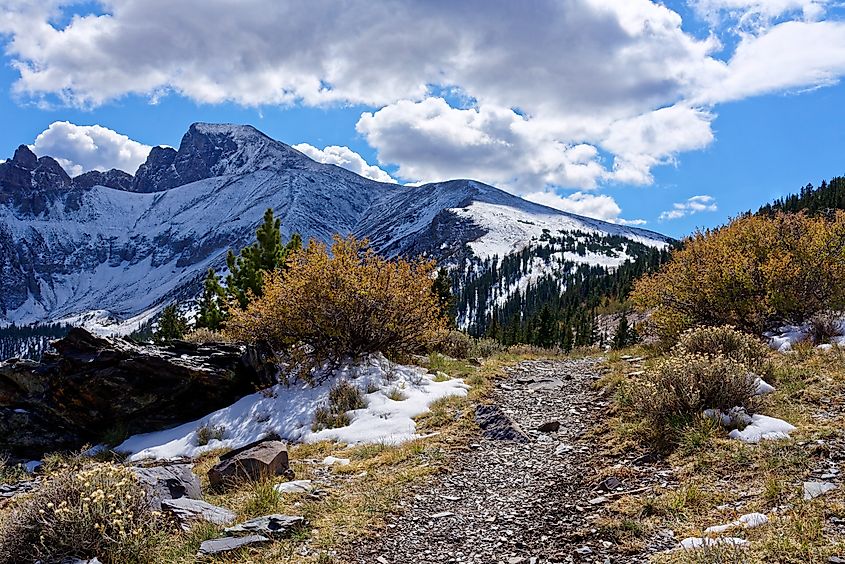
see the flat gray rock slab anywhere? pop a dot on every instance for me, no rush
(270, 525)
(188, 511)
(172, 481)
(497, 425)
(813, 490)
(227, 544)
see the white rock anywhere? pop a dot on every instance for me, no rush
(813, 490)
(330, 460)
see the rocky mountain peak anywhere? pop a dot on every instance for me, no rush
(157, 172)
(208, 150)
(25, 158)
(114, 178)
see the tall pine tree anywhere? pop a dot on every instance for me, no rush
(212, 305)
(246, 271)
(442, 288)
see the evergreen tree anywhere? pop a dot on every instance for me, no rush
(212, 305)
(568, 339)
(442, 288)
(546, 327)
(171, 325)
(268, 253)
(622, 337)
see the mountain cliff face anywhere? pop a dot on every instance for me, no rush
(109, 248)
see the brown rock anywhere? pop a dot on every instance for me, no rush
(265, 458)
(549, 427)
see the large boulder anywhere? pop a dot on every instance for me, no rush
(262, 459)
(92, 384)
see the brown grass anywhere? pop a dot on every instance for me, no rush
(713, 470)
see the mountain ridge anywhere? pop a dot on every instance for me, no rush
(69, 247)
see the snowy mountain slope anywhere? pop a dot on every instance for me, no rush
(101, 255)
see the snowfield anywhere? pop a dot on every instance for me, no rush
(288, 411)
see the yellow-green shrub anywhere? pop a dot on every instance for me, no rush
(750, 273)
(100, 511)
(347, 302)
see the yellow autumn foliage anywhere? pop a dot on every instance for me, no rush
(752, 273)
(346, 301)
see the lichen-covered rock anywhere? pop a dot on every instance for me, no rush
(275, 526)
(227, 544)
(172, 481)
(189, 511)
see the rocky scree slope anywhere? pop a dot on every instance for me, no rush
(108, 249)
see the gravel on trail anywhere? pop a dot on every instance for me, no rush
(527, 492)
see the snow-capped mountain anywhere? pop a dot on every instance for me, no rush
(109, 248)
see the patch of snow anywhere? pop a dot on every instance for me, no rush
(288, 411)
(747, 521)
(751, 428)
(763, 428)
(293, 487)
(332, 460)
(510, 229)
(784, 338)
(762, 387)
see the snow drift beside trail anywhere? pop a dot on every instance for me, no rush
(289, 412)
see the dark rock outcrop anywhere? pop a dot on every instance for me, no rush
(113, 178)
(29, 183)
(94, 384)
(206, 150)
(157, 172)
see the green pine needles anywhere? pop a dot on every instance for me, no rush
(245, 280)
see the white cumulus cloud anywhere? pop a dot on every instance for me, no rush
(81, 148)
(346, 158)
(597, 206)
(693, 205)
(572, 93)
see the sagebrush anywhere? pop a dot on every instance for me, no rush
(100, 511)
(344, 301)
(728, 342)
(344, 396)
(679, 388)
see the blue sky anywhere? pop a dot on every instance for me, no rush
(670, 116)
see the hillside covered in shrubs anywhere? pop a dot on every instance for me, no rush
(756, 273)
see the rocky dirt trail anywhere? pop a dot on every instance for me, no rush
(527, 492)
